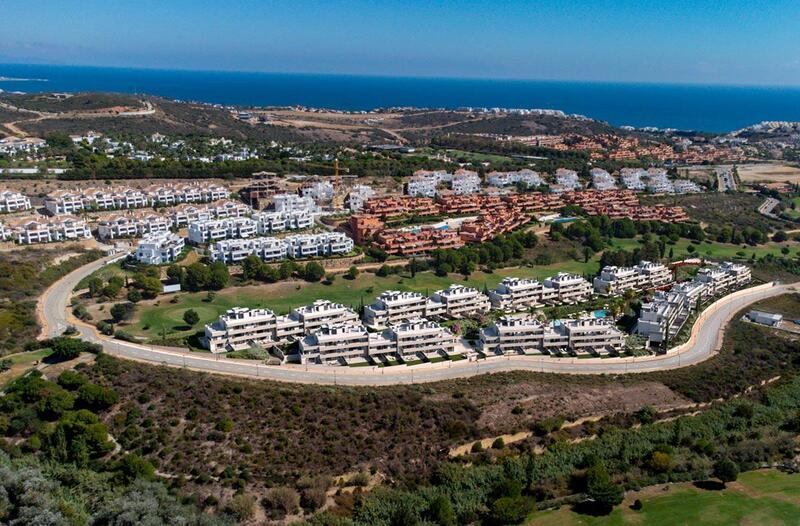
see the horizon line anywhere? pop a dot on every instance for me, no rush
(410, 77)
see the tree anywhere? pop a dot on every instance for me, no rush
(252, 267)
(95, 285)
(352, 272)
(219, 276)
(134, 296)
(510, 510)
(198, 277)
(441, 512)
(133, 467)
(601, 490)
(191, 317)
(96, 397)
(66, 348)
(313, 271)
(122, 311)
(175, 273)
(726, 470)
(149, 285)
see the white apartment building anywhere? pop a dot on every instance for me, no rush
(318, 245)
(217, 229)
(459, 301)
(335, 344)
(393, 306)
(319, 191)
(666, 314)
(32, 231)
(526, 335)
(184, 214)
(421, 187)
(13, 202)
(240, 328)
(466, 182)
(565, 288)
(359, 194)
(122, 226)
(602, 180)
(524, 176)
(273, 249)
(514, 294)
(658, 182)
(418, 337)
(566, 180)
(160, 248)
(616, 280)
(294, 203)
(63, 202)
(438, 176)
(5, 232)
(631, 179)
(271, 222)
(685, 186)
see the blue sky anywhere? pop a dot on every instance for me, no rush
(701, 41)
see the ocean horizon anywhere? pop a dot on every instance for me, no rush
(712, 108)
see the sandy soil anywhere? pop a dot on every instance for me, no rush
(769, 172)
(542, 401)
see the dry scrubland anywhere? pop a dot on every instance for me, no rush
(768, 172)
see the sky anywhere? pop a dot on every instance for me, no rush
(700, 41)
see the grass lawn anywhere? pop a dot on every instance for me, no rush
(154, 317)
(716, 250)
(765, 498)
(21, 363)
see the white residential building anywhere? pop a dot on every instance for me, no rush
(271, 222)
(459, 301)
(565, 288)
(5, 232)
(514, 294)
(273, 249)
(160, 248)
(566, 181)
(240, 328)
(616, 280)
(230, 228)
(658, 182)
(358, 195)
(13, 202)
(134, 225)
(631, 179)
(526, 335)
(602, 180)
(63, 202)
(685, 186)
(524, 176)
(393, 307)
(294, 203)
(665, 315)
(421, 187)
(29, 231)
(416, 338)
(332, 344)
(319, 191)
(466, 182)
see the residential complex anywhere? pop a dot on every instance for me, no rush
(272, 222)
(526, 177)
(232, 251)
(294, 203)
(358, 195)
(515, 294)
(216, 229)
(132, 225)
(241, 328)
(13, 202)
(602, 180)
(159, 248)
(663, 317)
(69, 202)
(30, 231)
(466, 182)
(646, 275)
(351, 342)
(526, 335)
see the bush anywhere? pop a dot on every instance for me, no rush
(441, 512)
(241, 507)
(191, 317)
(313, 272)
(122, 311)
(477, 447)
(282, 499)
(66, 348)
(726, 470)
(360, 479)
(96, 397)
(134, 296)
(312, 499)
(510, 510)
(498, 443)
(72, 380)
(133, 467)
(352, 272)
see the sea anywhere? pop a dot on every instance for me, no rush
(712, 108)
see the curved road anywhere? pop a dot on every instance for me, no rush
(706, 339)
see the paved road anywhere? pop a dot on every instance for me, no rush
(705, 341)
